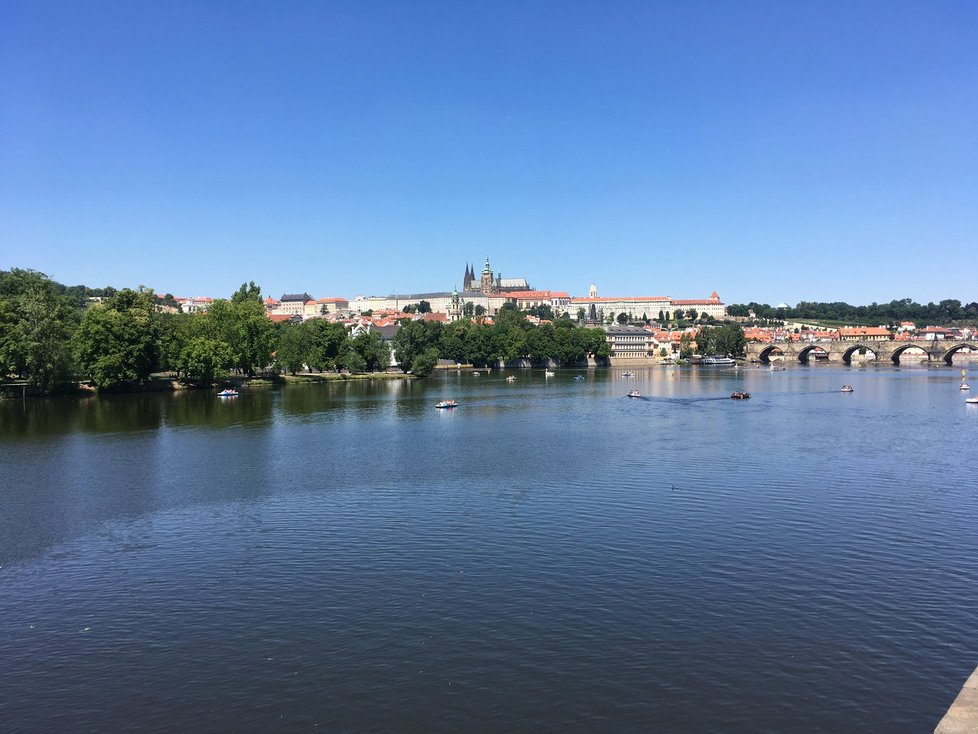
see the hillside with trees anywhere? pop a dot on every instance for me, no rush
(946, 313)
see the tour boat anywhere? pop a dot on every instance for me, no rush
(846, 388)
(446, 404)
(229, 393)
(718, 362)
(634, 394)
(740, 395)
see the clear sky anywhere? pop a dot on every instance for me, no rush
(773, 151)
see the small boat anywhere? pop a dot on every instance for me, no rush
(740, 395)
(228, 393)
(972, 401)
(446, 404)
(628, 374)
(846, 388)
(511, 378)
(476, 374)
(634, 394)
(548, 373)
(578, 378)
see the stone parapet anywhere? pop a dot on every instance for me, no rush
(962, 717)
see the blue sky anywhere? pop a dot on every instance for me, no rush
(773, 151)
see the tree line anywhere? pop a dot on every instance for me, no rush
(945, 313)
(53, 337)
(420, 344)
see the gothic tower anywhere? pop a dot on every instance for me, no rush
(487, 284)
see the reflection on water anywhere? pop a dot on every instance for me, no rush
(551, 555)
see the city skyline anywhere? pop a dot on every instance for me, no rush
(771, 153)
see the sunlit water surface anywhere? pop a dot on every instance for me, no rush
(550, 556)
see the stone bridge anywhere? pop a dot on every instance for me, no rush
(842, 352)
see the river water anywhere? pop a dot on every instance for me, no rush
(550, 556)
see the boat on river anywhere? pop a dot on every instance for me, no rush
(578, 378)
(511, 378)
(548, 373)
(634, 394)
(718, 362)
(846, 388)
(628, 374)
(972, 400)
(445, 404)
(740, 395)
(228, 393)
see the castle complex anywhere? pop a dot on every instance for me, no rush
(488, 283)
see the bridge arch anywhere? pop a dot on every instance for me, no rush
(847, 355)
(765, 355)
(806, 351)
(949, 354)
(898, 352)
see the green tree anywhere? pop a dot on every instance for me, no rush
(204, 360)
(543, 311)
(413, 338)
(622, 318)
(294, 346)
(424, 364)
(326, 342)
(374, 351)
(38, 323)
(424, 307)
(247, 292)
(118, 340)
(246, 329)
(468, 309)
(352, 361)
(480, 310)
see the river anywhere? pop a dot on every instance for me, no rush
(549, 556)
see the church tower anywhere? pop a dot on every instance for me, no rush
(455, 308)
(468, 278)
(487, 284)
